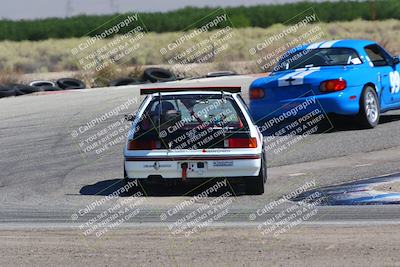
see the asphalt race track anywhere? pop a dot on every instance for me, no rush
(46, 177)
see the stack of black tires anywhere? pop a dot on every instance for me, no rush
(40, 86)
(150, 75)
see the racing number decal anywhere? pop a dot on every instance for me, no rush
(394, 82)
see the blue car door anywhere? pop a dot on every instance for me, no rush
(395, 82)
(387, 72)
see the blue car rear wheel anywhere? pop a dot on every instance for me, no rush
(369, 113)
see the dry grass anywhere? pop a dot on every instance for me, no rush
(9, 77)
(55, 56)
(111, 72)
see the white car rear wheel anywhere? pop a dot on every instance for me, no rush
(255, 185)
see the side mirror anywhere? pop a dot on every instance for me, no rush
(129, 117)
(396, 60)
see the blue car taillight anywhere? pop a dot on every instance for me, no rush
(333, 85)
(256, 93)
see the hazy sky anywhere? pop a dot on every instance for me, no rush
(29, 9)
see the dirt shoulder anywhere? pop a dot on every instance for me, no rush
(303, 246)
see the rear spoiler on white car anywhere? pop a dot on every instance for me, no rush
(228, 89)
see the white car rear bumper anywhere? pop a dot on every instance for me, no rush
(197, 167)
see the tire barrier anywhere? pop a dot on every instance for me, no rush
(69, 83)
(158, 75)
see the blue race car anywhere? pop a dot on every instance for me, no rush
(345, 77)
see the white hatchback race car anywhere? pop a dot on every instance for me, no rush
(193, 134)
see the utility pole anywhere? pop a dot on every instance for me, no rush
(114, 6)
(69, 9)
(372, 7)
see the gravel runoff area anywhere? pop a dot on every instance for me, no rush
(307, 245)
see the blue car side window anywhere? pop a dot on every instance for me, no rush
(378, 56)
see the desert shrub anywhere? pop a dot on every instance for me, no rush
(54, 55)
